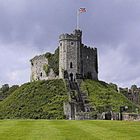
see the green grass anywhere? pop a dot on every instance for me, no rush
(35, 100)
(103, 96)
(68, 130)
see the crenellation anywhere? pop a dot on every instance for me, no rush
(75, 36)
(88, 48)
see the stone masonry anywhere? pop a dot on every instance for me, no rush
(76, 61)
(133, 94)
(37, 69)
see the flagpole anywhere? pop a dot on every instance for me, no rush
(77, 19)
(81, 10)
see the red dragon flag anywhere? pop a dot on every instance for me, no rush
(82, 10)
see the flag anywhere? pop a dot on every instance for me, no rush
(82, 10)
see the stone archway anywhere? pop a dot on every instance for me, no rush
(71, 76)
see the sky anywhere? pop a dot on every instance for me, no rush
(32, 27)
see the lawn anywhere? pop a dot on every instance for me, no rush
(68, 130)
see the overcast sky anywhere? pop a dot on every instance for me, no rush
(32, 27)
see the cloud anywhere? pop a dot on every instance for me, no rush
(116, 66)
(15, 65)
(31, 27)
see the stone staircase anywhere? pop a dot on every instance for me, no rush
(78, 106)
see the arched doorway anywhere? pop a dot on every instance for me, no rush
(108, 116)
(71, 76)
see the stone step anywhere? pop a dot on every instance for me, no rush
(80, 99)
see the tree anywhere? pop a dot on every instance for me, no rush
(5, 88)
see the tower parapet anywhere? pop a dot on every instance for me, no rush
(76, 35)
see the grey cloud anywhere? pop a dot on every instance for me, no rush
(111, 26)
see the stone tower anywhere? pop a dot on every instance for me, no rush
(69, 54)
(75, 59)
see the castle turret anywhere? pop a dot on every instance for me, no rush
(69, 54)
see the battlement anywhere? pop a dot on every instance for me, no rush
(89, 50)
(76, 35)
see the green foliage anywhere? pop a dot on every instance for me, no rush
(114, 86)
(46, 68)
(36, 100)
(53, 60)
(48, 54)
(104, 96)
(5, 88)
(5, 91)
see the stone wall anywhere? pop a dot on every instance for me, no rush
(89, 62)
(37, 69)
(133, 94)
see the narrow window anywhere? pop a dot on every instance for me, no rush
(60, 44)
(41, 74)
(70, 64)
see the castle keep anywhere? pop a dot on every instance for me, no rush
(76, 61)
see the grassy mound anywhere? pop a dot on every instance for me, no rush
(104, 97)
(44, 99)
(36, 100)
